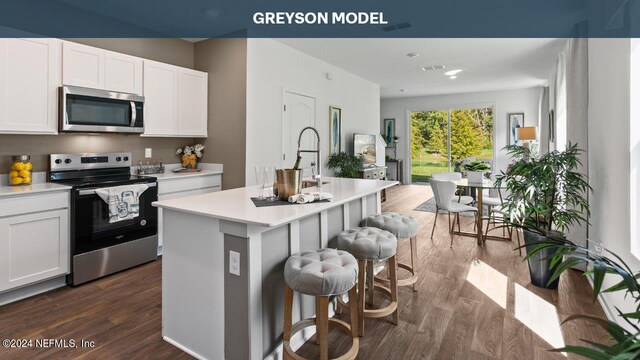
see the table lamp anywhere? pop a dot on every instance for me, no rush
(527, 135)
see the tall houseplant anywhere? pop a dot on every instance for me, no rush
(547, 195)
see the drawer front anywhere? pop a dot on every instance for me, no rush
(191, 183)
(16, 205)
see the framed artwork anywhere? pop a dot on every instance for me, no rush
(389, 132)
(364, 146)
(515, 120)
(335, 130)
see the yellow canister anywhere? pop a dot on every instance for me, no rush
(20, 173)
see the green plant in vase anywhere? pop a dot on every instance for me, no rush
(345, 165)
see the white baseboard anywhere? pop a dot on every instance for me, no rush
(32, 290)
(608, 310)
(183, 348)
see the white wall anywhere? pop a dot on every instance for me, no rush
(509, 101)
(609, 154)
(273, 66)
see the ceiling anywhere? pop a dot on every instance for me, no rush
(487, 64)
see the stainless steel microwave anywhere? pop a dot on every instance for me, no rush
(93, 110)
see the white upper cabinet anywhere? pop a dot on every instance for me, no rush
(95, 68)
(122, 73)
(160, 99)
(192, 103)
(29, 80)
(175, 101)
(82, 66)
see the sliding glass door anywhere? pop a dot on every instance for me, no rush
(440, 139)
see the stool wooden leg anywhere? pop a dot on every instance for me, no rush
(414, 257)
(322, 325)
(353, 311)
(370, 282)
(288, 309)
(393, 271)
(360, 298)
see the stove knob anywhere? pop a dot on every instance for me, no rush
(118, 158)
(58, 161)
(67, 161)
(126, 158)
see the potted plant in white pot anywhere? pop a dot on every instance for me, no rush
(476, 170)
(547, 195)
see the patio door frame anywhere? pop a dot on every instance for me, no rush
(448, 108)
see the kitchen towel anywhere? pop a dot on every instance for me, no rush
(310, 197)
(123, 201)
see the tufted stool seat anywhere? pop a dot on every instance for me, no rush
(325, 272)
(403, 227)
(321, 273)
(369, 245)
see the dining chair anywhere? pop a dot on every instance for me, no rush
(453, 176)
(443, 192)
(495, 205)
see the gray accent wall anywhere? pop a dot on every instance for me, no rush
(226, 62)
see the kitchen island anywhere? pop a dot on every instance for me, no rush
(213, 314)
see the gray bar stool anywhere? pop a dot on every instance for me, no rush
(369, 245)
(322, 273)
(403, 227)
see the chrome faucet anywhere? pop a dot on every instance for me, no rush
(317, 177)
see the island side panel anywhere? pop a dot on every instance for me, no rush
(192, 284)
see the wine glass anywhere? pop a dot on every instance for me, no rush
(269, 180)
(260, 181)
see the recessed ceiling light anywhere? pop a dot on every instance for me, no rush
(453, 77)
(432, 67)
(413, 54)
(453, 72)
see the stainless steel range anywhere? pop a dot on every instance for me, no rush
(101, 243)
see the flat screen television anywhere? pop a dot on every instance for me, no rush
(364, 146)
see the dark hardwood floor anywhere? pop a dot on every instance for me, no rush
(462, 310)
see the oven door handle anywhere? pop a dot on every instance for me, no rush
(93, 191)
(134, 113)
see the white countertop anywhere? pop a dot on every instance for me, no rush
(6, 191)
(236, 204)
(173, 175)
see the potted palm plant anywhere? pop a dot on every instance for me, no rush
(547, 195)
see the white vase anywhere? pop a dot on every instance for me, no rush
(475, 176)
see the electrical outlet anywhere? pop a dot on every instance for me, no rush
(148, 153)
(234, 262)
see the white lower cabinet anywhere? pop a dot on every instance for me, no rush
(33, 247)
(176, 188)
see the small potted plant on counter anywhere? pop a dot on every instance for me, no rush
(345, 165)
(475, 170)
(547, 195)
(189, 155)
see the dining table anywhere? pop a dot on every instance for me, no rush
(476, 189)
